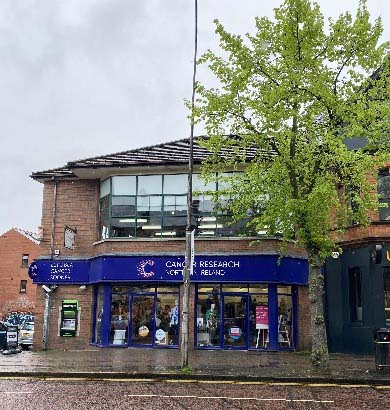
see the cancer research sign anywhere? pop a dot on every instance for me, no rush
(207, 268)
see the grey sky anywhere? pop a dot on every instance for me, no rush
(80, 78)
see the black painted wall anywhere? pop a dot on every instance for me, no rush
(343, 335)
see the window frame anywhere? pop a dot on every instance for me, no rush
(23, 286)
(25, 258)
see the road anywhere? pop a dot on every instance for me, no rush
(72, 394)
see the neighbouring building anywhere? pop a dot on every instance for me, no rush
(110, 269)
(18, 248)
(358, 281)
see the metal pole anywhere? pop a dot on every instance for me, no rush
(187, 268)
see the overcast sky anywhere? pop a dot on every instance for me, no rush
(81, 78)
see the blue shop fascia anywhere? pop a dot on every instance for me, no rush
(238, 301)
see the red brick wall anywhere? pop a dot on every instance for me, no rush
(77, 205)
(12, 246)
(73, 292)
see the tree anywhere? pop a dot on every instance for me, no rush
(296, 92)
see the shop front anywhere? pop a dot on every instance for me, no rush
(237, 301)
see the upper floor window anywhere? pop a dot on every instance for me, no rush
(23, 286)
(24, 260)
(384, 194)
(155, 206)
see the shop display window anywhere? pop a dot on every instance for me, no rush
(99, 315)
(119, 319)
(141, 315)
(259, 318)
(285, 318)
(208, 322)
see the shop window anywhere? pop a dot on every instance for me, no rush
(208, 320)
(259, 318)
(355, 295)
(384, 194)
(25, 261)
(386, 287)
(119, 319)
(167, 320)
(285, 317)
(99, 315)
(23, 286)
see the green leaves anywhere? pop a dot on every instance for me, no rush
(295, 92)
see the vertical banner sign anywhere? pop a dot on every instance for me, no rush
(261, 317)
(192, 252)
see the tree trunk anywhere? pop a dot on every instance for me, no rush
(319, 350)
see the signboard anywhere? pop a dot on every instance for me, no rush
(12, 337)
(235, 332)
(261, 317)
(206, 268)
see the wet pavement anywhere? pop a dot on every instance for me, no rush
(214, 364)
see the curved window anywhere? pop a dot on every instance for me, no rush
(155, 206)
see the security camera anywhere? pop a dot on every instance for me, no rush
(46, 289)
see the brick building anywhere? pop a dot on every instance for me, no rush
(18, 248)
(112, 255)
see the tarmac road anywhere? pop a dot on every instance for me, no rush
(68, 394)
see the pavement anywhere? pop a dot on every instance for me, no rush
(233, 365)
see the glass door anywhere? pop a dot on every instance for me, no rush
(142, 319)
(235, 320)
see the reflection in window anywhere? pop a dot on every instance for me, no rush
(155, 206)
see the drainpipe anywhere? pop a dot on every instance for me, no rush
(53, 217)
(46, 313)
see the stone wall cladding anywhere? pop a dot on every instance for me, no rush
(12, 246)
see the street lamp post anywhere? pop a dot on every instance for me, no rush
(189, 245)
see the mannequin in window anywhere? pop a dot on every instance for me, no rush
(174, 324)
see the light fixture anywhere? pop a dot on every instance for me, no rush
(167, 233)
(151, 227)
(208, 218)
(208, 226)
(139, 220)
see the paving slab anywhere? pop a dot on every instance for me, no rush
(214, 364)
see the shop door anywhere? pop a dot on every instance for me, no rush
(142, 310)
(235, 318)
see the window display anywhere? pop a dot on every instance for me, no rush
(244, 316)
(119, 319)
(208, 319)
(285, 317)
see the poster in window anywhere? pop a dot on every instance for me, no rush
(261, 317)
